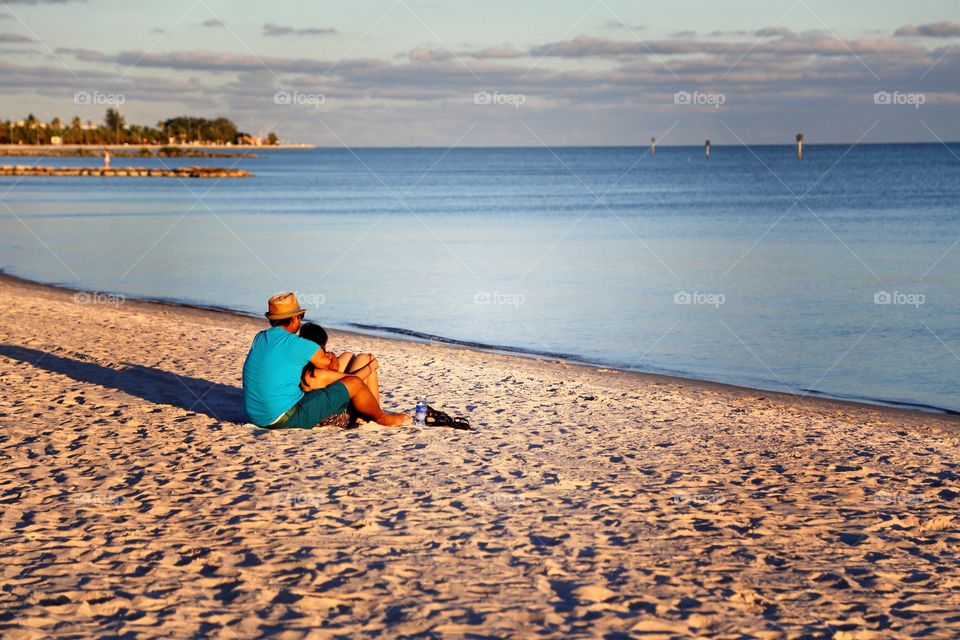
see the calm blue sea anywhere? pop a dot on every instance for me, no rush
(835, 275)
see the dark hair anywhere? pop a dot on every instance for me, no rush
(284, 322)
(314, 333)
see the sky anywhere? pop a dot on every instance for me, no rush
(499, 72)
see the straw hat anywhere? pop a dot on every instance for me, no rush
(283, 306)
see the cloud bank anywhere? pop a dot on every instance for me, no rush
(583, 89)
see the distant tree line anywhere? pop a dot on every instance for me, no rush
(115, 130)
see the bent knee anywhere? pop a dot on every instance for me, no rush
(353, 384)
(362, 359)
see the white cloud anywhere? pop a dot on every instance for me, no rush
(933, 30)
(15, 38)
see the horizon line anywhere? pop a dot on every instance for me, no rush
(294, 146)
(806, 143)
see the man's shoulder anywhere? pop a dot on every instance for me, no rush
(279, 338)
(259, 339)
(265, 340)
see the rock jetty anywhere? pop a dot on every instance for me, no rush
(144, 152)
(125, 172)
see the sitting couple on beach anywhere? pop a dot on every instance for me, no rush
(291, 381)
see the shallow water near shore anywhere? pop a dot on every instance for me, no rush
(835, 275)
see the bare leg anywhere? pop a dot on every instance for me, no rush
(344, 360)
(372, 380)
(365, 402)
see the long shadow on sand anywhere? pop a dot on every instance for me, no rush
(219, 401)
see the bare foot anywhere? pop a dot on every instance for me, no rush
(394, 419)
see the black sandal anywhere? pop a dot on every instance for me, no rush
(461, 423)
(437, 418)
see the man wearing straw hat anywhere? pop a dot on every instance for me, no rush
(271, 377)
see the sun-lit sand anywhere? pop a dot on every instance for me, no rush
(137, 503)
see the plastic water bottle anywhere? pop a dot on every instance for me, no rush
(420, 412)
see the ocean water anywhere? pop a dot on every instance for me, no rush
(837, 275)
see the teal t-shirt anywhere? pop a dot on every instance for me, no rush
(271, 374)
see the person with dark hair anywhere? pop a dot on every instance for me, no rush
(314, 333)
(310, 378)
(272, 371)
(317, 378)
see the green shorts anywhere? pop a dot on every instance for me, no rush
(318, 405)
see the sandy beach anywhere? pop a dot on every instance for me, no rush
(137, 502)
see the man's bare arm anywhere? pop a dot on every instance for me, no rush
(322, 360)
(320, 378)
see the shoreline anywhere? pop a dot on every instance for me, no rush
(817, 399)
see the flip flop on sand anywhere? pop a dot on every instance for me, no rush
(437, 418)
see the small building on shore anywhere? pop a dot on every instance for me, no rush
(254, 141)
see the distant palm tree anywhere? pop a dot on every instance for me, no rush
(32, 128)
